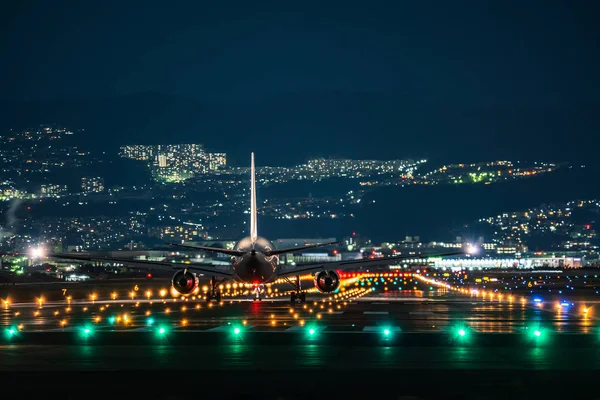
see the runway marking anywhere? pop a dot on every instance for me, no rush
(420, 312)
(375, 312)
(378, 329)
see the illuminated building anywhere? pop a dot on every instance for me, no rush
(51, 190)
(175, 162)
(137, 152)
(9, 191)
(179, 233)
(92, 184)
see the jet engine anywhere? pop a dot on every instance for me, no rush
(184, 282)
(327, 281)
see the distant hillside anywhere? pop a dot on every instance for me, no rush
(441, 211)
(288, 129)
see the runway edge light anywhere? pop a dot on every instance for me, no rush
(86, 331)
(461, 333)
(10, 332)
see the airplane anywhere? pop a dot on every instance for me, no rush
(254, 260)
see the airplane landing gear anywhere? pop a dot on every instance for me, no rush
(257, 292)
(214, 293)
(298, 296)
(216, 296)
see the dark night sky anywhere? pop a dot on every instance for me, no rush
(477, 54)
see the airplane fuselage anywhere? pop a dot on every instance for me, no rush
(255, 266)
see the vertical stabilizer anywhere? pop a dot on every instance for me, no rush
(253, 230)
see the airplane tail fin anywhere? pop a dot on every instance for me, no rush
(253, 228)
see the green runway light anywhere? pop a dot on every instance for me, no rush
(237, 331)
(537, 333)
(150, 321)
(386, 332)
(86, 332)
(161, 332)
(10, 332)
(112, 320)
(461, 333)
(311, 331)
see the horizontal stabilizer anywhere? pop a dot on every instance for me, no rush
(299, 248)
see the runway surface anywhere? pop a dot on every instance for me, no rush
(359, 311)
(332, 345)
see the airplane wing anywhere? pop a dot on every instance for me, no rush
(210, 249)
(349, 265)
(203, 268)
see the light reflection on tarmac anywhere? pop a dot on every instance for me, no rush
(356, 311)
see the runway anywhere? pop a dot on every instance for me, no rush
(369, 335)
(360, 311)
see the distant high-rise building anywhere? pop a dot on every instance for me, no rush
(92, 184)
(51, 190)
(216, 161)
(162, 160)
(175, 162)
